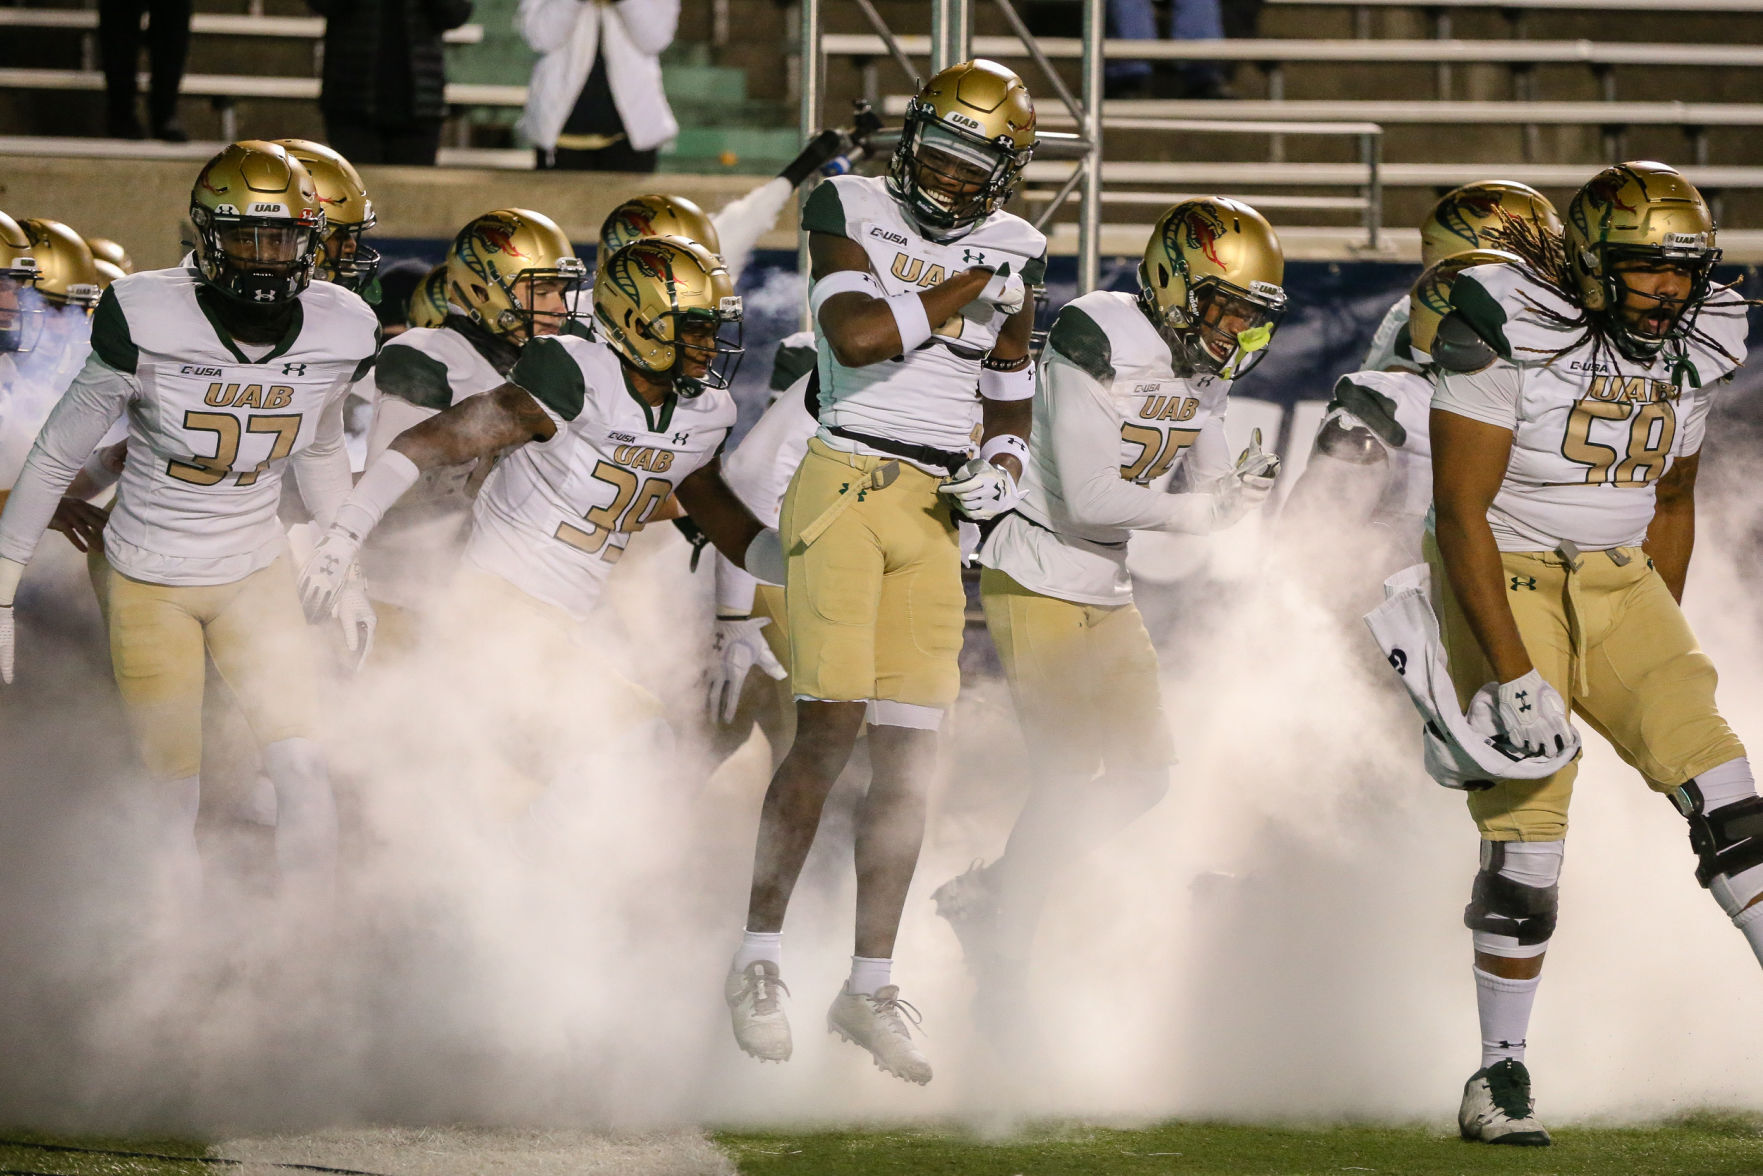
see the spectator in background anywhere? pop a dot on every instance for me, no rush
(168, 48)
(596, 101)
(385, 80)
(1189, 20)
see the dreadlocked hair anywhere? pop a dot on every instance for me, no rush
(1544, 258)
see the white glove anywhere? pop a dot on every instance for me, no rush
(326, 572)
(6, 644)
(982, 490)
(737, 648)
(1248, 484)
(1533, 716)
(1005, 290)
(358, 620)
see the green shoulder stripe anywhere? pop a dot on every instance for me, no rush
(415, 376)
(1481, 312)
(824, 212)
(1076, 337)
(551, 375)
(1374, 410)
(1035, 272)
(111, 340)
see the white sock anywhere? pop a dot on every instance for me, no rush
(1750, 921)
(760, 945)
(1504, 1006)
(869, 975)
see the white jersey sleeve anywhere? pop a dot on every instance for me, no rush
(98, 396)
(1489, 396)
(1083, 434)
(1389, 347)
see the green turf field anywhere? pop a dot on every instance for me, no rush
(1705, 1144)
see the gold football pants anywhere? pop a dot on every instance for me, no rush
(1612, 640)
(875, 604)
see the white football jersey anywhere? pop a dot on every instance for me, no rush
(555, 515)
(1108, 404)
(1593, 430)
(759, 469)
(420, 373)
(930, 397)
(1388, 350)
(1393, 407)
(213, 422)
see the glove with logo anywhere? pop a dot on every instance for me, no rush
(982, 490)
(1247, 485)
(1533, 716)
(1005, 290)
(737, 647)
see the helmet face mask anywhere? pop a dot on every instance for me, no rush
(1652, 295)
(514, 273)
(259, 224)
(668, 308)
(347, 260)
(22, 310)
(545, 301)
(967, 136)
(1232, 326)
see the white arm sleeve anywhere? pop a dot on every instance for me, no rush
(734, 589)
(1490, 395)
(1084, 434)
(322, 468)
(98, 395)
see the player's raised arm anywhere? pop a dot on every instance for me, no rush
(864, 325)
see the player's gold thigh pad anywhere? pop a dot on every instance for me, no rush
(156, 653)
(834, 584)
(922, 612)
(1651, 686)
(1536, 588)
(262, 646)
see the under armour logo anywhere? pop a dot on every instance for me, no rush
(293, 369)
(973, 257)
(844, 486)
(679, 438)
(1529, 582)
(1522, 705)
(1398, 660)
(263, 295)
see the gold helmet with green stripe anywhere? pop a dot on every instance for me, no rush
(66, 275)
(1463, 217)
(657, 216)
(21, 309)
(1210, 281)
(347, 260)
(969, 133)
(1429, 300)
(514, 272)
(259, 223)
(665, 306)
(428, 303)
(1635, 218)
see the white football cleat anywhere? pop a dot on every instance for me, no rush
(878, 1024)
(761, 1028)
(1497, 1107)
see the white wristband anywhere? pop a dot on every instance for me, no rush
(1007, 385)
(385, 481)
(1005, 443)
(11, 571)
(909, 316)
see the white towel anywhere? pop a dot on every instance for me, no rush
(1462, 751)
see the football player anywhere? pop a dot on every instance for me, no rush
(348, 261)
(511, 275)
(919, 300)
(599, 434)
(67, 289)
(1566, 435)
(1133, 390)
(228, 372)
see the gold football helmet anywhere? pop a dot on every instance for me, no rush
(107, 273)
(66, 275)
(21, 309)
(504, 263)
(1463, 216)
(104, 249)
(663, 304)
(1429, 301)
(347, 260)
(1640, 215)
(1211, 283)
(259, 223)
(968, 134)
(428, 302)
(657, 216)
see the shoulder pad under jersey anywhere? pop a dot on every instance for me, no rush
(1458, 347)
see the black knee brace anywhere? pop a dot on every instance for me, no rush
(1727, 841)
(1500, 906)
